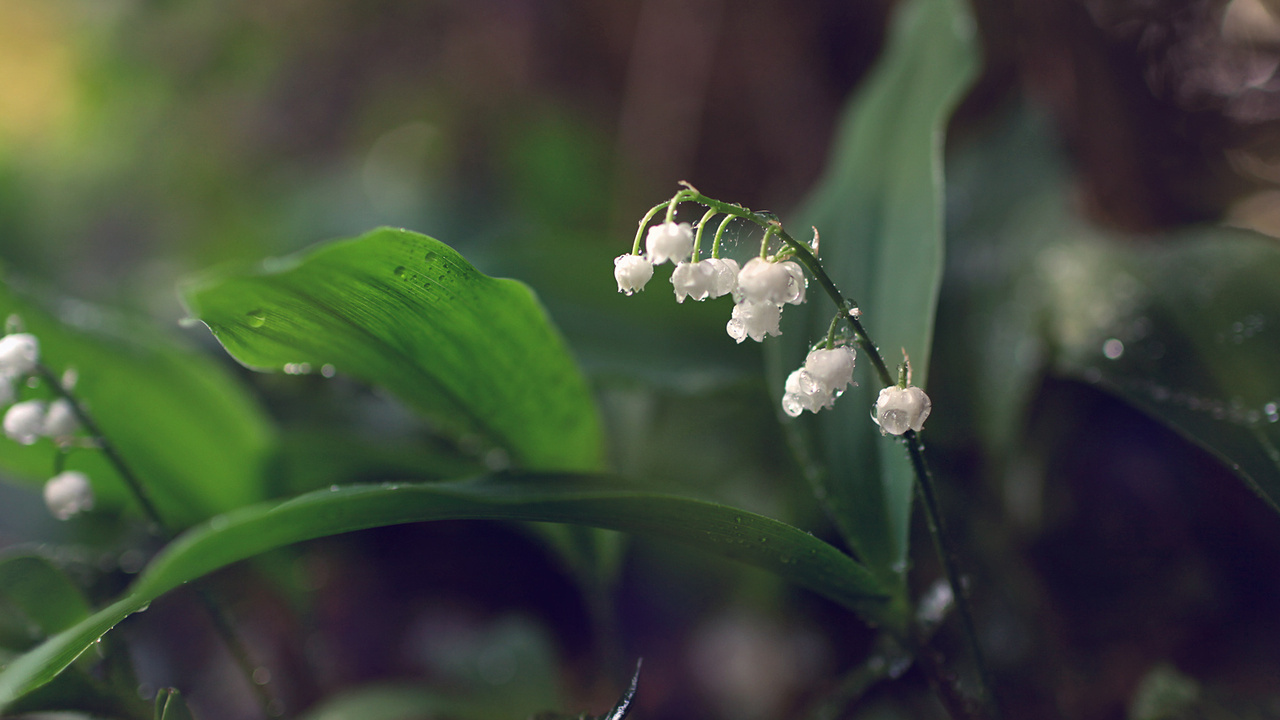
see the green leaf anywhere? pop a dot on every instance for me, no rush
(880, 214)
(187, 428)
(782, 549)
(43, 592)
(1181, 325)
(408, 313)
(1185, 330)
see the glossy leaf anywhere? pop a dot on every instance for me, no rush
(186, 427)
(408, 313)
(880, 214)
(782, 549)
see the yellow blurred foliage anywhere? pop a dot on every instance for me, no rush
(37, 87)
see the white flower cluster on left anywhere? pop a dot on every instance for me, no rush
(69, 492)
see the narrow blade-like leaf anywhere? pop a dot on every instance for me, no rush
(782, 549)
(880, 213)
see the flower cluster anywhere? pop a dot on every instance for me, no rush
(759, 289)
(822, 379)
(69, 492)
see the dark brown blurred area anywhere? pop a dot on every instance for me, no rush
(1169, 109)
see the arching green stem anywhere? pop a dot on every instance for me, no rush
(702, 224)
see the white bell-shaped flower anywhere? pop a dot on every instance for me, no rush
(19, 354)
(831, 368)
(694, 280)
(761, 281)
(801, 394)
(796, 284)
(669, 241)
(24, 421)
(778, 283)
(632, 272)
(68, 493)
(826, 373)
(726, 276)
(901, 409)
(60, 420)
(754, 320)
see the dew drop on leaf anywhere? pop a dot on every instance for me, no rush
(257, 318)
(399, 271)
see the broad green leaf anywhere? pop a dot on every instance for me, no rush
(1183, 329)
(188, 430)
(406, 312)
(880, 214)
(782, 549)
(42, 592)
(1180, 324)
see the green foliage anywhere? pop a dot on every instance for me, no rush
(1183, 330)
(1180, 325)
(408, 313)
(786, 551)
(879, 210)
(185, 426)
(43, 593)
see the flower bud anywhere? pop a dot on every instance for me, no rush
(19, 354)
(68, 493)
(901, 409)
(669, 241)
(24, 421)
(631, 272)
